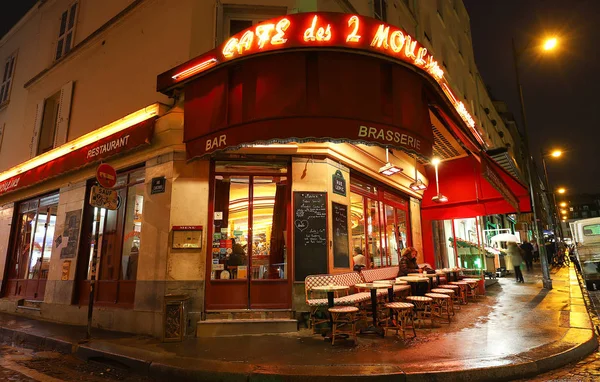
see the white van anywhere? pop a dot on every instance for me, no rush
(586, 234)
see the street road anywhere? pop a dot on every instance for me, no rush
(24, 365)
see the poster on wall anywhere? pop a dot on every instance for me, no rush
(310, 234)
(341, 246)
(70, 236)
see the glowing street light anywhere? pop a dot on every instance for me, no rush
(556, 153)
(551, 43)
(561, 190)
(563, 204)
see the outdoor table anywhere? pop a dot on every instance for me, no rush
(330, 289)
(374, 329)
(414, 281)
(430, 276)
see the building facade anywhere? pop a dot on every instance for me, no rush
(256, 132)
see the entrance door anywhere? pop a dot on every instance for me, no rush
(29, 262)
(248, 266)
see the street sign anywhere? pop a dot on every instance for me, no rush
(104, 198)
(106, 175)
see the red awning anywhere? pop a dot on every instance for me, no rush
(475, 186)
(130, 138)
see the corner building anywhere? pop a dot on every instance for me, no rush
(255, 144)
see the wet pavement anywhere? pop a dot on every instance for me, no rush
(516, 330)
(26, 365)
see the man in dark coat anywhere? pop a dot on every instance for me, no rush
(528, 254)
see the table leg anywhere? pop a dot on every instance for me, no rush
(373, 329)
(430, 283)
(391, 299)
(413, 288)
(330, 304)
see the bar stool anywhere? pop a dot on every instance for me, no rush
(423, 308)
(441, 304)
(402, 313)
(344, 322)
(463, 287)
(448, 292)
(456, 295)
(472, 291)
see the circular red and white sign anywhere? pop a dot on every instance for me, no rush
(106, 175)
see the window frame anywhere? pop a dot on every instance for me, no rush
(61, 40)
(256, 14)
(6, 80)
(379, 196)
(382, 6)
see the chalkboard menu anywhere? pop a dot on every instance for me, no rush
(341, 250)
(310, 234)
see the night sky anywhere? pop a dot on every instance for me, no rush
(560, 95)
(561, 99)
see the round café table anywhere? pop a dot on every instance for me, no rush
(413, 282)
(374, 328)
(430, 276)
(330, 289)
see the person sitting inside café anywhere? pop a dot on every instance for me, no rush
(408, 261)
(360, 261)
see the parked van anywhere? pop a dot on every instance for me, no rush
(586, 234)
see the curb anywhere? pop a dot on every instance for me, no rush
(224, 371)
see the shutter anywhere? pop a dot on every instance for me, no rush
(37, 126)
(64, 111)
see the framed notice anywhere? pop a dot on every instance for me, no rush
(69, 241)
(310, 234)
(187, 237)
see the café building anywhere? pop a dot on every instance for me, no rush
(307, 139)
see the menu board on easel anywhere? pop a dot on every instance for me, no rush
(310, 234)
(341, 247)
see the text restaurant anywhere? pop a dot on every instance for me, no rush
(320, 130)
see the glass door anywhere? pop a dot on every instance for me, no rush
(248, 261)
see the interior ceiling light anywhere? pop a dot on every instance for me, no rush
(389, 169)
(438, 198)
(418, 184)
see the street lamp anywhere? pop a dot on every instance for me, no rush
(563, 204)
(550, 43)
(561, 190)
(556, 153)
(547, 281)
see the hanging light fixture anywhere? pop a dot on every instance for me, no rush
(389, 169)
(439, 198)
(418, 184)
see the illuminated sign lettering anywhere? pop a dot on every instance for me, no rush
(325, 30)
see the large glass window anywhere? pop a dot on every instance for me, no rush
(384, 233)
(37, 221)
(119, 231)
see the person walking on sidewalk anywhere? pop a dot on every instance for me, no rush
(536, 250)
(515, 256)
(528, 255)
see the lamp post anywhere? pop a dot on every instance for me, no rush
(547, 281)
(553, 209)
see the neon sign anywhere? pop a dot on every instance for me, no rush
(322, 30)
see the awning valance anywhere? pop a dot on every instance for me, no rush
(475, 186)
(78, 153)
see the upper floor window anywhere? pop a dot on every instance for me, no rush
(586, 207)
(440, 8)
(52, 120)
(5, 85)
(236, 18)
(66, 32)
(380, 9)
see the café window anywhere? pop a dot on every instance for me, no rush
(380, 226)
(34, 235)
(249, 221)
